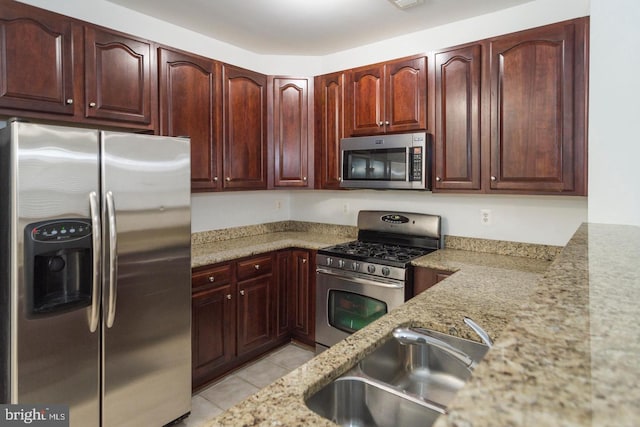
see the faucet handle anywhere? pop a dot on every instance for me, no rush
(484, 336)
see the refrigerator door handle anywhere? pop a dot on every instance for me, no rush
(113, 260)
(94, 315)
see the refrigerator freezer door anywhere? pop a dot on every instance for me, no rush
(56, 359)
(146, 285)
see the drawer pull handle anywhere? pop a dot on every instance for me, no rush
(242, 292)
(257, 266)
(212, 279)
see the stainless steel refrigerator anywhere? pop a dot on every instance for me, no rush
(95, 299)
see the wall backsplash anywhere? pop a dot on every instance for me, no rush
(548, 220)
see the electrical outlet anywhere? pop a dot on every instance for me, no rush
(345, 208)
(485, 217)
(278, 205)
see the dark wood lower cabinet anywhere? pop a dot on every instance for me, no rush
(256, 308)
(424, 278)
(244, 308)
(213, 315)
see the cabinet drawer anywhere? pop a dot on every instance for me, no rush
(215, 275)
(254, 267)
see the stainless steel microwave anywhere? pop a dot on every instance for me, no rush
(399, 161)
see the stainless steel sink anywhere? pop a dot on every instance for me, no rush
(408, 381)
(357, 401)
(421, 369)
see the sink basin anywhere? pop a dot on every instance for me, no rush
(423, 370)
(357, 401)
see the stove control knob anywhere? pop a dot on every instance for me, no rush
(371, 268)
(386, 271)
(329, 261)
(341, 263)
(355, 266)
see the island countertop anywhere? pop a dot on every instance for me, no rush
(567, 343)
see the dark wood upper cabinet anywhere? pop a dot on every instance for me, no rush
(244, 129)
(387, 97)
(538, 105)
(292, 130)
(329, 129)
(120, 79)
(36, 60)
(457, 138)
(190, 97)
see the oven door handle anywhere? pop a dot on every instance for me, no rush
(381, 282)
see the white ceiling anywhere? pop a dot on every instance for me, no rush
(309, 27)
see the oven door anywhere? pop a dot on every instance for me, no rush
(347, 302)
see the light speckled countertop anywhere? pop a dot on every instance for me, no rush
(567, 343)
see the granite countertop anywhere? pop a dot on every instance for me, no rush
(226, 250)
(566, 347)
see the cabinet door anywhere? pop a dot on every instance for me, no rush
(285, 292)
(245, 130)
(329, 114)
(291, 131)
(405, 90)
(457, 124)
(189, 100)
(424, 278)
(256, 313)
(36, 60)
(537, 110)
(303, 297)
(213, 330)
(365, 101)
(119, 77)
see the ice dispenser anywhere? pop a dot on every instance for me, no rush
(58, 264)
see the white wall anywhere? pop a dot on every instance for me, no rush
(528, 15)
(614, 141)
(549, 220)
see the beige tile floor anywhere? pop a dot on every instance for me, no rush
(240, 384)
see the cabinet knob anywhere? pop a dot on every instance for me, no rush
(242, 292)
(212, 279)
(257, 266)
(228, 296)
(69, 101)
(227, 179)
(387, 123)
(381, 124)
(340, 179)
(304, 178)
(304, 260)
(215, 179)
(92, 104)
(438, 178)
(493, 178)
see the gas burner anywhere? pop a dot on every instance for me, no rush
(377, 252)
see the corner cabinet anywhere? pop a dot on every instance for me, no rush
(538, 96)
(120, 77)
(291, 110)
(387, 97)
(329, 129)
(244, 129)
(457, 139)
(190, 99)
(424, 278)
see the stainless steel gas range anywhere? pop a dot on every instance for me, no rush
(360, 281)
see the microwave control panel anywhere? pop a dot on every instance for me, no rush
(416, 164)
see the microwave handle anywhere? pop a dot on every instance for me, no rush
(408, 162)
